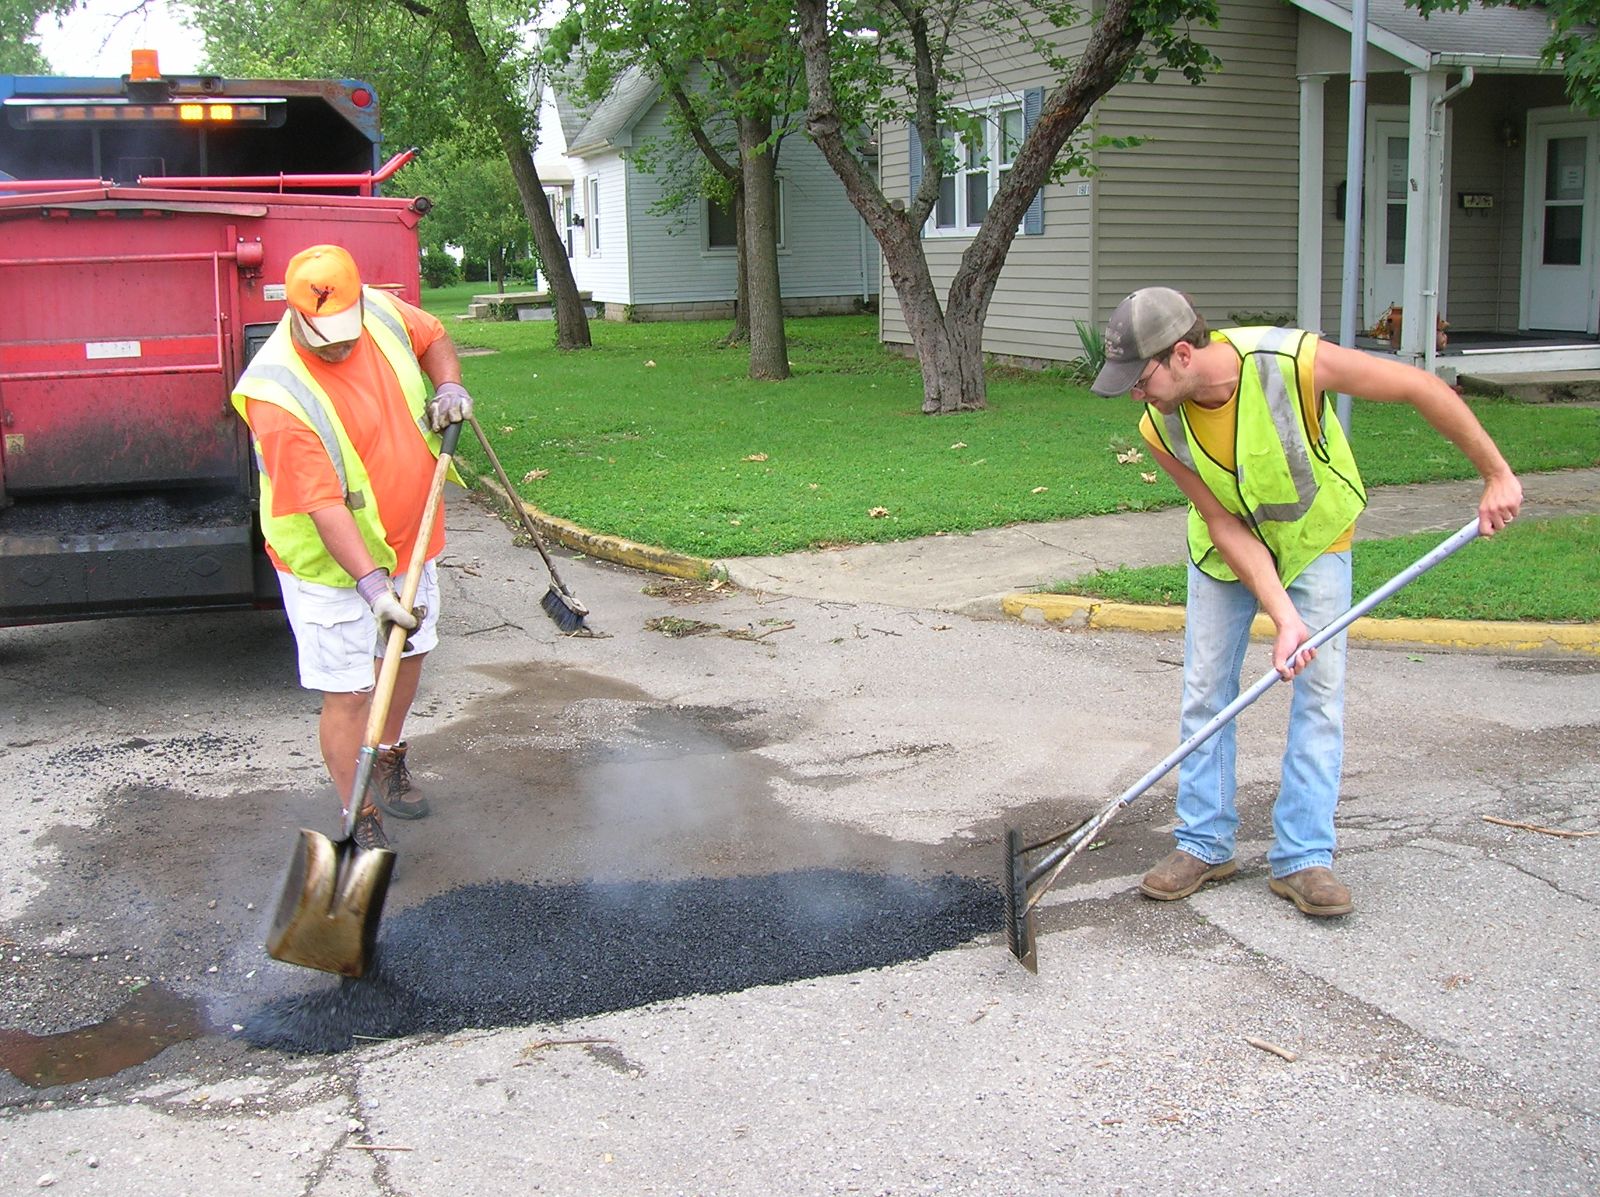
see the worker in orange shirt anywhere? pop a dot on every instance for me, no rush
(346, 438)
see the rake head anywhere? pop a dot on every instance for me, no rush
(1019, 916)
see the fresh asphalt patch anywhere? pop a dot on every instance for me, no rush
(510, 954)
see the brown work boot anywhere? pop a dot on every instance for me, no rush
(1316, 891)
(1180, 874)
(391, 784)
(369, 830)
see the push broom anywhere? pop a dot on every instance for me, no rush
(1025, 885)
(559, 603)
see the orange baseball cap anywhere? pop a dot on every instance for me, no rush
(323, 286)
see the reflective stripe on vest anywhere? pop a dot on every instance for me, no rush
(1297, 497)
(278, 376)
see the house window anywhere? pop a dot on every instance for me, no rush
(722, 230)
(566, 216)
(591, 204)
(983, 154)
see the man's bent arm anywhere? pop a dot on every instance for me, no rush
(1353, 372)
(1249, 559)
(440, 362)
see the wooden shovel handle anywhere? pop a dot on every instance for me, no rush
(383, 692)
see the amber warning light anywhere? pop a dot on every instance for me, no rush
(120, 112)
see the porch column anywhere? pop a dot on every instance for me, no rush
(1308, 297)
(1424, 170)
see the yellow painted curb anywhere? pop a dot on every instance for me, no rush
(1076, 610)
(607, 548)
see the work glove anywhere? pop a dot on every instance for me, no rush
(377, 588)
(451, 404)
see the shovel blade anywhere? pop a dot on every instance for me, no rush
(331, 904)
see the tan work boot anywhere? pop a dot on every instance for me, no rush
(1180, 874)
(369, 829)
(1316, 891)
(392, 787)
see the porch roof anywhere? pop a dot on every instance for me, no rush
(1481, 37)
(614, 116)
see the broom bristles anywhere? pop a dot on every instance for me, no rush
(562, 610)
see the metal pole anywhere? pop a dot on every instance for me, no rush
(1354, 189)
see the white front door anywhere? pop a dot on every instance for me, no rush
(1560, 276)
(1388, 172)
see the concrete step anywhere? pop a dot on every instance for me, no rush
(1551, 386)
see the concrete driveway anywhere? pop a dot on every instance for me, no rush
(717, 914)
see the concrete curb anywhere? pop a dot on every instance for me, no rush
(598, 545)
(1080, 611)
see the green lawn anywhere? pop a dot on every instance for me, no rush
(1535, 569)
(657, 435)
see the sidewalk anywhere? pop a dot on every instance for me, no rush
(993, 573)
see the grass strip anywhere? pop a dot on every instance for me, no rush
(1546, 570)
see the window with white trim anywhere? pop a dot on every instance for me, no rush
(722, 230)
(983, 154)
(591, 207)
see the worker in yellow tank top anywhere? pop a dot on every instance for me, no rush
(1239, 419)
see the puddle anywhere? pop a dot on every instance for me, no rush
(151, 1021)
(507, 955)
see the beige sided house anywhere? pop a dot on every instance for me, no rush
(1481, 196)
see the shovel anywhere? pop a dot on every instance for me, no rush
(1025, 886)
(332, 899)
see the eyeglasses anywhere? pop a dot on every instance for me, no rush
(1138, 388)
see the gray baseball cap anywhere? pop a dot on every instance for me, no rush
(1150, 321)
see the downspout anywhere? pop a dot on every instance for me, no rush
(1355, 189)
(1430, 314)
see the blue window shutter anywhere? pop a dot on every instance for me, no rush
(915, 144)
(1032, 105)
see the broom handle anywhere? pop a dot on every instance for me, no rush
(1057, 860)
(383, 692)
(511, 497)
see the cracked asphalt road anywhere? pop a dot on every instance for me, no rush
(155, 772)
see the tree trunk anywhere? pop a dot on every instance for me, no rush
(769, 349)
(739, 334)
(949, 341)
(572, 324)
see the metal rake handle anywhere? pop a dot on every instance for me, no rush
(1057, 860)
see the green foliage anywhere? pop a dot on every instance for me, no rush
(439, 269)
(395, 47)
(1262, 319)
(475, 205)
(1546, 570)
(1083, 368)
(19, 46)
(665, 453)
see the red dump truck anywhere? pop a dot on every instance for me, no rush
(145, 224)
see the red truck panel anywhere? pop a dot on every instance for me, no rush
(129, 477)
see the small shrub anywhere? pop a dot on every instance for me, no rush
(1262, 319)
(1083, 368)
(439, 269)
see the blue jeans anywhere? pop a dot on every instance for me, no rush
(1216, 635)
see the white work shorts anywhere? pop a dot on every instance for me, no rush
(337, 633)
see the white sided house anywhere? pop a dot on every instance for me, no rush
(1480, 207)
(639, 264)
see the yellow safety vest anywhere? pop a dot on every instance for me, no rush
(1298, 495)
(277, 375)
